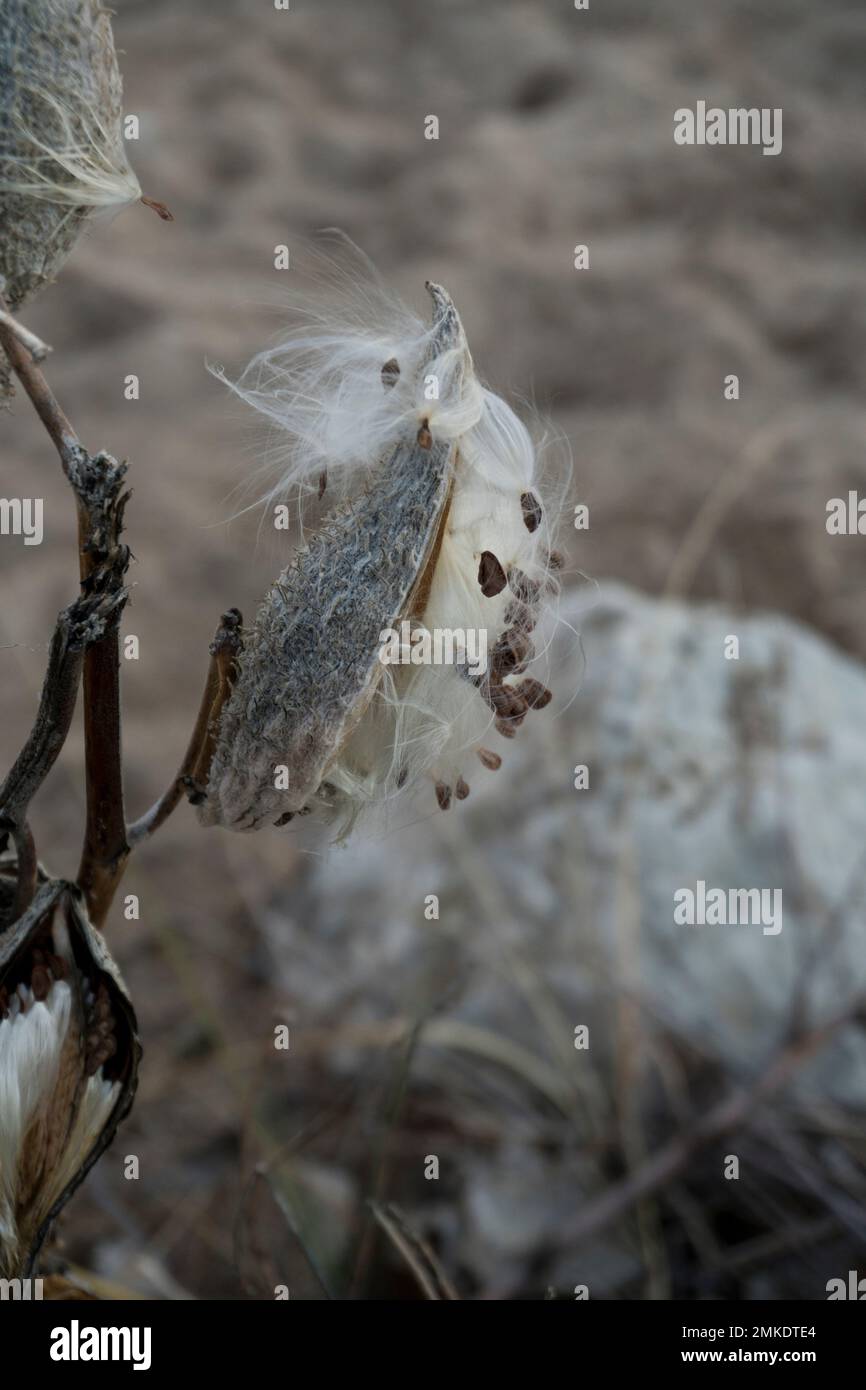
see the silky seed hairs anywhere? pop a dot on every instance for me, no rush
(69, 1057)
(440, 522)
(62, 154)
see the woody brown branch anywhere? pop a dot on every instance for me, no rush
(98, 484)
(97, 481)
(78, 626)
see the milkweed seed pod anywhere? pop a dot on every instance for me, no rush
(69, 1057)
(62, 153)
(439, 524)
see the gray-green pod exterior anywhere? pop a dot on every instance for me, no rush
(310, 665)
(62, 152)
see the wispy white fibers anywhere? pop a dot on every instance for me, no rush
(34, 1037)
(321, 385)
(357, 374)
(428, 720)
(81, 166)
(31, 1039)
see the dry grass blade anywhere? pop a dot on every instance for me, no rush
(416, 1252)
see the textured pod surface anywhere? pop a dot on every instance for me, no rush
(311, 665)
(61, 146)
(69, 1055)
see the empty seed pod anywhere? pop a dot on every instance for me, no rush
(69, 1057)
(62, 153)
(432, 471)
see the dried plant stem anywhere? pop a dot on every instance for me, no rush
(101, 502)
(87, 640)
(105, 850)
(60, 430)
(97, 481)
(417, 1253)
(35, 346)
(192, 773)
(77, 626)
(53, 718)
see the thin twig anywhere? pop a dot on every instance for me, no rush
(53, 718)
(35, 346)
(418, 1255)
(63, 435)
(192, 775)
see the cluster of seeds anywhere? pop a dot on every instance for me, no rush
(512, 653)
(99, 1041)
(44, 968)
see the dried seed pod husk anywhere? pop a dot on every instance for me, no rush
(309, 669)
(69, 1056)
(430, 532)
(62, 153)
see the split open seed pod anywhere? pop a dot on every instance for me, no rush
(62, 153)
(69, 1055)
(446, 530)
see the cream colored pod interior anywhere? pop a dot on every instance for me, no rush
(69, 1057)
(440, 523)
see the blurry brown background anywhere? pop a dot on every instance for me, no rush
(258, 127)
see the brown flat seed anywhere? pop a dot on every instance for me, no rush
(401, 776)
(285, 818)
(443, 795)
(534, 693)
(531, 511)
(40, 982)
(513, 650)
(461, 791)
(491, 575)
(556, 559)
(506, 727)
(323, 482)
(424, 437)
(508, 703)
(390, 372)
(490, 759)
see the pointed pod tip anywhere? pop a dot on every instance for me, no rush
(448, 329)
(442, 300)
